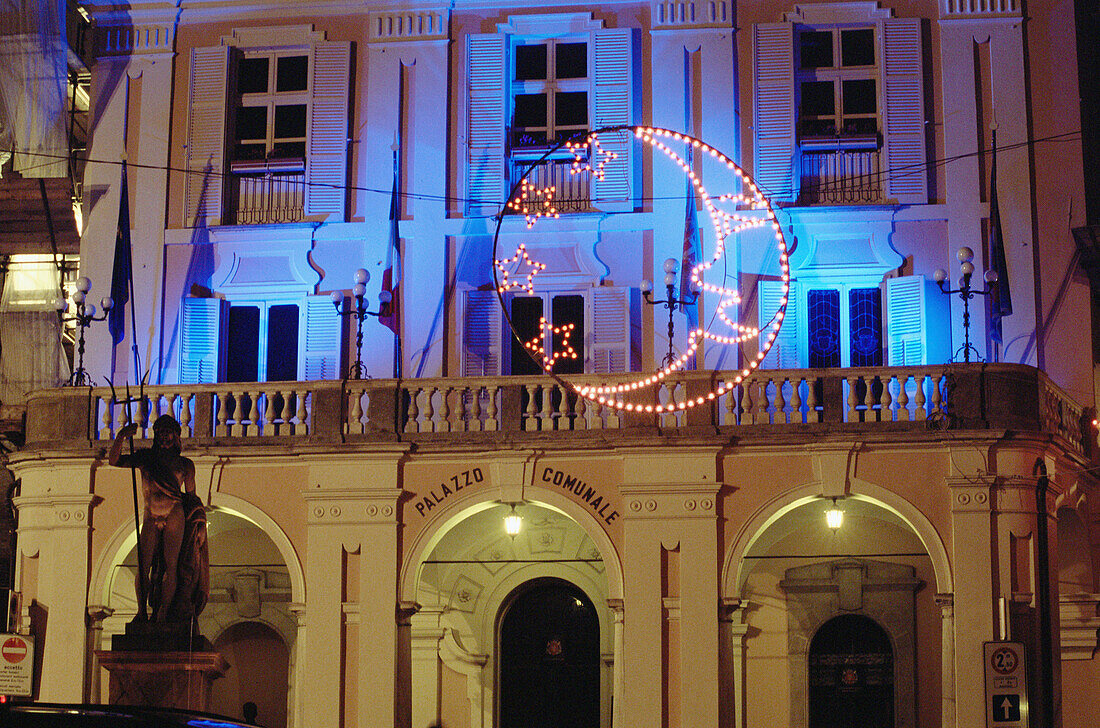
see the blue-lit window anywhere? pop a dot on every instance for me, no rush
(824, 327)
(843, 338)
(865, 317)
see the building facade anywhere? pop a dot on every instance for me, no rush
(673, 566)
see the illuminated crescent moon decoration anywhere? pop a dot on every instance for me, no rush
(730, 214)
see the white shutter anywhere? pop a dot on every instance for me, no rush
(610, 327)
(485, 70)
(322, 344)
(327, 137)
(482, 320)
(613, 104)
(903, 111)
(917, 324)
(201, 324)
(206, 131)
(774, 111)
(784, 353)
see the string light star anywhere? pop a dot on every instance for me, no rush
(534, 202)
(536, 347)
(533, 267)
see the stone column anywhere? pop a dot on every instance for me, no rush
(974, 598)
(732, 688)
(426, 633)
(616, 606)
(54, 511)
(946, 603)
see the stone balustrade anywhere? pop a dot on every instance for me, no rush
(956, 396)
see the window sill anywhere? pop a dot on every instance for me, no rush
(834, 143)
(268, 166)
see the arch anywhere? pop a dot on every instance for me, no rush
(260, 662)
(434, 530)
(861, 689)
(124, 538)
(734, 572)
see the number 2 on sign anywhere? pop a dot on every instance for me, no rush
(1004, 660)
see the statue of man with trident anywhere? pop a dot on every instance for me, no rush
(173, 576)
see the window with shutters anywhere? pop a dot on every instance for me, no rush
(854, 325)
(268, 129)
(539, 81)
(259, 340)
(839, 107)
(590, 329)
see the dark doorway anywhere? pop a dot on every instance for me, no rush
(549, 658)
(851, 675)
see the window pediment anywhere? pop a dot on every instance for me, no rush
(273, 36)
(550, 25)
(829, 13)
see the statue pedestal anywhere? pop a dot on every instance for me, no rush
(162, 679)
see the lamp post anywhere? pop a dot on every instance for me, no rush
(671, 301)
(360, 313)
(83, 316)
(965, 292)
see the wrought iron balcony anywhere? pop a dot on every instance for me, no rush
(572, 190)
(265, 193)
(840, 175)
(795, 403)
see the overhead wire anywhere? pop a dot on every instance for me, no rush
(883, 175)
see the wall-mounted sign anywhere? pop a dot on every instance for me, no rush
(582, 491)
(447, 488)
(1005, 685)
(16, 665)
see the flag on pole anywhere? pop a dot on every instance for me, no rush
(1000, 298)
(391, 277)
(122, 271)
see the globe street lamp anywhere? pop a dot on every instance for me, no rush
(966, 292)
(671, 300)
(360, 313)
(84, 315)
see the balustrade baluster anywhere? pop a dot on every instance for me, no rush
(253, 428)
(186, 400)
(444, 409)
(796, 402)
(546, 420)
(746, 417)
(853, 400)
(491, 421)
(106, 433)
(760, 415)
(885, 401)
(355, 411)
(903, 398)
(937, 396)
(919, 412)
(301, 425)
(869, 414)
(221, 417)
(583, 410)
(411, 423)
(530, 420)
(779, 403)
(473, 422)
(270, 399)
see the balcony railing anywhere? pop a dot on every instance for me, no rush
(886, 399)
(572, 192)
(266, 197)
(840, 177)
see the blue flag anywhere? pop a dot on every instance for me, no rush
(1000, 298)
(123, 271)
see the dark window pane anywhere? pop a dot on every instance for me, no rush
(815, 49)
(865, 316)
(824, 327)
(857, 47)
(288, 150)
(243, 344)
(859, 96)
(252, 76)
(282, 343)
(860, 127)
(291, 73)
(526, 312)
(251, 123)
(571, 60)
(571, 109)
(569, 310)
(530, 62)
(530, 110)
(248, 152)
(290, 121)
(817, 98)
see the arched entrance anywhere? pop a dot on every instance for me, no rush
(259, 672)
(851, 672)
(549, 674)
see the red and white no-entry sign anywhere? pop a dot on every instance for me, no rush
(14, 649)
(17, 665)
